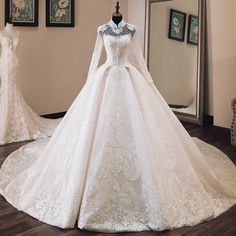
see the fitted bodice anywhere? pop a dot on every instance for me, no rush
(117, 39)
(117, 49)
(8, 45)
(8, 58)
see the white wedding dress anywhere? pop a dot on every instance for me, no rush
(120, 160)
(18, 122)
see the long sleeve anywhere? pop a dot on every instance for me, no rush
(137, 58)
(96, 56)
(0, 44)
(0, 68)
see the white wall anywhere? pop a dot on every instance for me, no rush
(54, 61)
(173, 64)
(222, 54)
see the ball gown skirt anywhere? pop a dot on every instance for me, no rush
(119, 160)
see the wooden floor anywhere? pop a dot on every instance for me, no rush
(13, 222)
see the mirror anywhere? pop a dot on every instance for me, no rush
(174, 50)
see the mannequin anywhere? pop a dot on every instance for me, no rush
(11, 32)
(9, 26)
(117, 16)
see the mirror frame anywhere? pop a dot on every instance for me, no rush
(198, 118)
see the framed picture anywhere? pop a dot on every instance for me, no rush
(21, 12)
(193, 30)
(60, 13)
(177, 25)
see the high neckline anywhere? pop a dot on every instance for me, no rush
(115, 26)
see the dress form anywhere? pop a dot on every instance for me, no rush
(117, 16)
(9, 28)
(10, 32)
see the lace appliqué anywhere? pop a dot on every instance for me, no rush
(106, 29)
(118, 151)
(55, 203)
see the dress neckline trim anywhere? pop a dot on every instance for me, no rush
(115, 26)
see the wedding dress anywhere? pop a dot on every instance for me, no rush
(120, 160)
(18, 122)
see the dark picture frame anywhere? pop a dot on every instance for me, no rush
(193, 30)
(22, 13)
(177, 24)
(60, 13)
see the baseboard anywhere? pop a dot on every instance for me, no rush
(55, 115)
(222, 129)
(208, 120)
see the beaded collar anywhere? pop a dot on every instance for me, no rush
(117, 28)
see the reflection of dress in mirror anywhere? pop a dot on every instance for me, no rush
(190, 109)
(18, 122)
